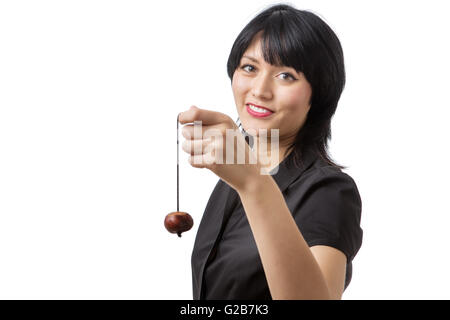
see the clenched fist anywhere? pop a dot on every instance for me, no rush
(215, 142)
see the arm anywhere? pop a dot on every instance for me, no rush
(333, 263)
(293, 270)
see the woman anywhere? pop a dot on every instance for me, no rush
(289, 227)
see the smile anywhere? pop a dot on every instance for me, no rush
(258, 112)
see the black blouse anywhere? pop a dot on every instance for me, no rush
(325, 204)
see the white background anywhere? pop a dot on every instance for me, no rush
(89, 94)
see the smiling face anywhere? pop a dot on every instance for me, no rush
(280, 89)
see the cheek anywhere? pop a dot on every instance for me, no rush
(239, 85)
(297, 100)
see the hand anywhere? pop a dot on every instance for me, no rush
(219, 146)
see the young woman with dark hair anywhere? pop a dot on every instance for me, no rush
(293, 232)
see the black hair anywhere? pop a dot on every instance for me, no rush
(301, 40)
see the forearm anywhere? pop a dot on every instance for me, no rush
(289, 265)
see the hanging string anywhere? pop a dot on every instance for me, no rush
(178, 170)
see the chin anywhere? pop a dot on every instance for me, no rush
(252, 129)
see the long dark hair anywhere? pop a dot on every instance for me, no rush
(301, 40)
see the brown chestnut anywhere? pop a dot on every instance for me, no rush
(178, 222)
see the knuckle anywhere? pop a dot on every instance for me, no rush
(230, 122)
(209, 160)
(208, 147)
(195, 113)
(186, 132)
(196, 147)
(223, 131)
(218, 143)
(183, 132)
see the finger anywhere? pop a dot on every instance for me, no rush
(188, 131)
(201, 161)
(197, 131)
(196, 147)
(207, 117)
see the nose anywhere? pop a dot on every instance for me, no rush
(261, 87)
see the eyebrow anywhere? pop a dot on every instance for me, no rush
(251, 58)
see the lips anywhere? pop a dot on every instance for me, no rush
(258, 106)
(258, 113)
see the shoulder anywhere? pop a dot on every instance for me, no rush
(326, 205)
(329, 180)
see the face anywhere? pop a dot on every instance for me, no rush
(282, 90)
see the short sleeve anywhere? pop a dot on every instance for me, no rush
(327, 210)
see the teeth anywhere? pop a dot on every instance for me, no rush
(260, 110)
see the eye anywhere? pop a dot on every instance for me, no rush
(289, 75)
(247, 65)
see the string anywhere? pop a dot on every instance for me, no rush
(178, 171)
(247, 138)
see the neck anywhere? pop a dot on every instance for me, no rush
(271, 156)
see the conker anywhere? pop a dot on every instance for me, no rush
(178, 222)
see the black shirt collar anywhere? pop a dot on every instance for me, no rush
(288, 171)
